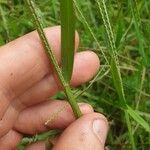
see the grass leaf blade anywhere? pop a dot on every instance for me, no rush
(67, 37)
(138, 118)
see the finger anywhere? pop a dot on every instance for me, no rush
(36, 146)
(23, 63)
(8, 120)
(49, 115)
(48, 87)
(88, 132)
(80, 135)
(10, 140)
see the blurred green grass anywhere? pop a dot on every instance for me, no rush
(130, 21)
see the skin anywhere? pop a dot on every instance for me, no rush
(27, 80)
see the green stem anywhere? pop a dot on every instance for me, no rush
(38, 137)
(51, 56)
(115, 70)
(130, 130)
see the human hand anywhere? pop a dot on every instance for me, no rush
(26, 82)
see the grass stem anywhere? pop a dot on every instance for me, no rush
(51, 56)
(115, 70)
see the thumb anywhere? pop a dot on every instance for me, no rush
(88, 132)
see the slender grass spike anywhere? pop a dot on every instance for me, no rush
(70, 97)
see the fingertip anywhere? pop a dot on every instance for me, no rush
(86, 108)
(86, 66)
(55, 32)
(88, 132)
(93, 61)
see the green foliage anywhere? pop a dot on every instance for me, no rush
(67, 37)
(130, 22)
(138, 119)
(38, 137)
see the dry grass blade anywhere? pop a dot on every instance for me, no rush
(67, 37)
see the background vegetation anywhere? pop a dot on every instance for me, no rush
(130, 22)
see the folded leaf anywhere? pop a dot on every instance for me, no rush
(67, 37)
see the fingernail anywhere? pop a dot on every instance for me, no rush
(100, 129)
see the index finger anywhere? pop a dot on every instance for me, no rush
(23, 62)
